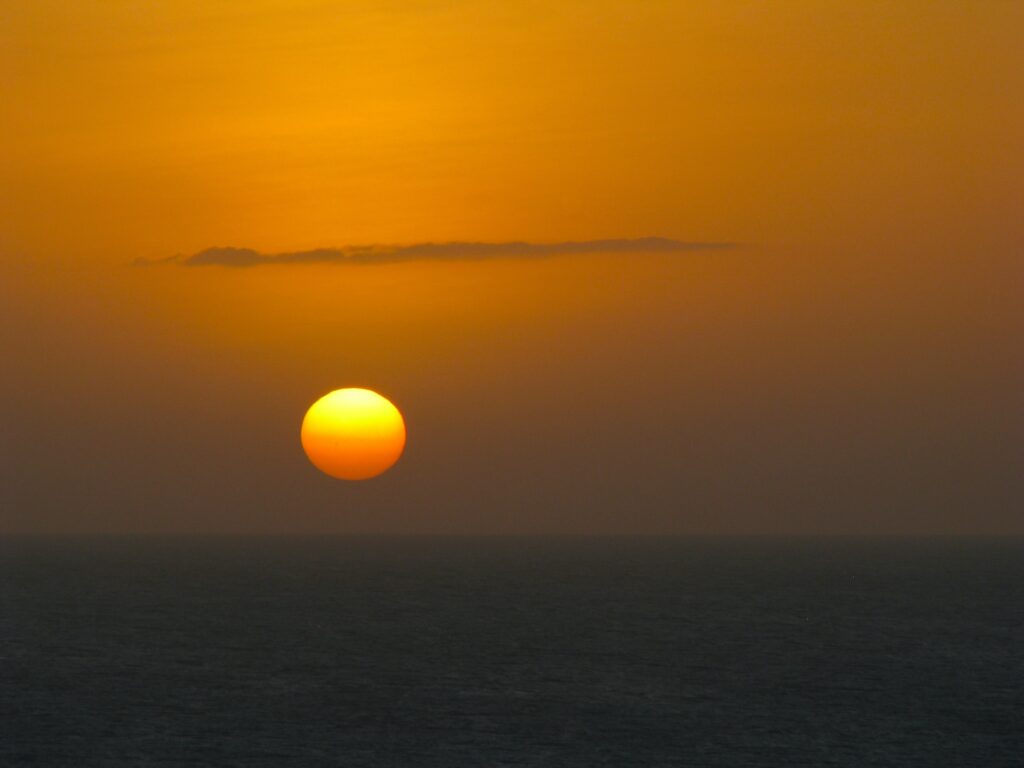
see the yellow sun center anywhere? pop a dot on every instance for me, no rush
(353, 434)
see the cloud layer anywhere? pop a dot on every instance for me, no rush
(453, 251)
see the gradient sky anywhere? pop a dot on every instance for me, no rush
(853, 365)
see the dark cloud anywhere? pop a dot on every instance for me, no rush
(454, 251)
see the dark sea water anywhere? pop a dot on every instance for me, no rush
(511, 652)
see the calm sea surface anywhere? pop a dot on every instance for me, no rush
(502, 652)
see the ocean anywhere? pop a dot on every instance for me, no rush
(422, 651)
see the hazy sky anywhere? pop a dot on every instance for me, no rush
(853, 364)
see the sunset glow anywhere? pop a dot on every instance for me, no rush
(630, 267)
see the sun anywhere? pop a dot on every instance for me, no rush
(353, 434)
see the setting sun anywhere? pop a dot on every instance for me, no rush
(353, 434)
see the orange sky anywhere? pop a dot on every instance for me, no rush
(171, 126)
(852, 367)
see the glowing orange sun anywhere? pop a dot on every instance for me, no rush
(353, 434)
